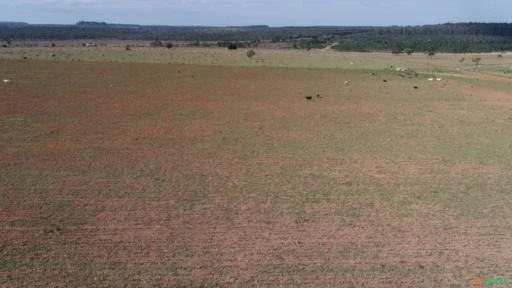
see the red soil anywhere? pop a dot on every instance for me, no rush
(138, 176)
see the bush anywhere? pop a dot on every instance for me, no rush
(169, 45)
(407, 73)
(408, 51)
(156, 43)
(396, 50)
(251, 53)
(232, 46)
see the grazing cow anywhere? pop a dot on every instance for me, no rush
(384, 80)
(347, 83)
(318, 96)
(6, 81)
(309, 98)
(416, 87)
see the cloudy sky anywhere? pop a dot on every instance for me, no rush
(252, 12)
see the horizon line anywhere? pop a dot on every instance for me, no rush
(250, 25)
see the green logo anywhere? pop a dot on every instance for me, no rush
(490, 281)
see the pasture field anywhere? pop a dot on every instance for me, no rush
(184, 175)
(500, 63)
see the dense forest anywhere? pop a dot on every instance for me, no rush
(450, 37)
(457, 38)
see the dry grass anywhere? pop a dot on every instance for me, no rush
(324, 58)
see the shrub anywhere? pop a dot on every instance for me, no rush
(232, 46)
(168, 45)
(250, 53)
(407, 73)
(156, 43)
(408, 51)
(396, 50)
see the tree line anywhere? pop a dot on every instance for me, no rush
(449, 37)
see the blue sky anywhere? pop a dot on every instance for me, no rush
(252, 12)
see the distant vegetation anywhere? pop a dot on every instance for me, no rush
(458, 38)
(251, 53)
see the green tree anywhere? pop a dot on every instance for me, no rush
(408, 51)
(250, 53)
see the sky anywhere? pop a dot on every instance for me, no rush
(257, 12)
